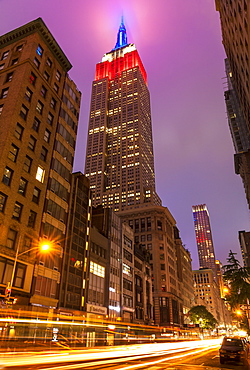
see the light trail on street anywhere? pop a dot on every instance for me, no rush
(145, 354)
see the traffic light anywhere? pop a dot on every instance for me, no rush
(7, 292)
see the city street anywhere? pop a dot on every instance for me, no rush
(186, 355)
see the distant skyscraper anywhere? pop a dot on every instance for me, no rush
(204, 237)
(119, 156)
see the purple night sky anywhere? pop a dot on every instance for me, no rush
(179, 42)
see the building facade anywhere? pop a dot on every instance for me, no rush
(39, 109)
(153, 228)
(235, 26)
(75, 264)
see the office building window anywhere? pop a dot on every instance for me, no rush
(36, 195)
(43, 154)
(3, 200)
(7, 176)
(40, 173)
(36, 124)
(39, 107)
(58, 75)
(46, 76)
(32, 143)
(5, 55)
(39, 50)
(50, 118)
(53, 103)
(56, 87)
(32, 219)
(13, 153)
(4, 93)
(32, 78)
(28, 94)
(27, 164)
(22, 186)
(1, 108)
(49, 62)
(17, 211)
(19, 48)
(46, 135)
(14, 61)
(24, 112)
(1, 66)
(43, 91)
(37, 63)
(9, 77)
(11, 238)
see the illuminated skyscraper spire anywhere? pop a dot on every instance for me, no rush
(121, 36)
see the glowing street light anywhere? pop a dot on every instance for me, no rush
(43, 247)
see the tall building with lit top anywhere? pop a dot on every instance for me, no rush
(204, 237)
(119, 156)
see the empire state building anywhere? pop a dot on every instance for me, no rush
(119, 156)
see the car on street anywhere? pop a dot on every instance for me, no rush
(234, 349)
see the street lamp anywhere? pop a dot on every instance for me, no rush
(43, 247)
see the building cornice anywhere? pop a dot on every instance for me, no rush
(38, 26)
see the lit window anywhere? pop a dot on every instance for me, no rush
(13, 153)
(7, 176)
(1, 108)
(1, 66)
(28, 94)
(40, 173)
(39, 50)
(39, 107)
(96, 269)
(32, 78)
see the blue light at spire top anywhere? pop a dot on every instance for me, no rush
(121, 36)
